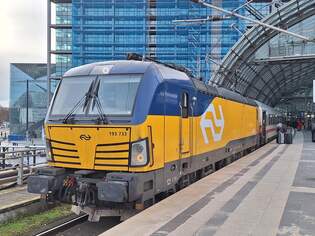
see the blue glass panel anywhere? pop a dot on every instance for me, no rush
(107, 30)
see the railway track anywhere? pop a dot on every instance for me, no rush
(64, 226)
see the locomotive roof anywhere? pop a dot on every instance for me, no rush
(140, 67)
(125, 67)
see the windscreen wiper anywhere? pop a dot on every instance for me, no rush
(84, 99)
(96, 101)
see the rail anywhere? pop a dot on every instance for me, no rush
(66, 225)
(18, 162)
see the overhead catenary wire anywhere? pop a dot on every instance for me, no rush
(232, 13)
(203, 20)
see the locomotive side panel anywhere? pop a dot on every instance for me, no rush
(222, 125)
(152, 130)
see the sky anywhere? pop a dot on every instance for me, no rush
(23, 38)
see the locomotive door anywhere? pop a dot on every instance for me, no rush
(264, 127)
(185, 130)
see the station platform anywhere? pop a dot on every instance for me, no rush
(268, 192)
(16, 201)
(16, 196)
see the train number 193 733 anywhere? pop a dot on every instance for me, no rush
(118, 133)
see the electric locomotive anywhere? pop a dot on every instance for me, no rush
(120, 135)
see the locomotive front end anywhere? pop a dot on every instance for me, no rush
(98, 139)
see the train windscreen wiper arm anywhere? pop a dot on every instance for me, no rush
(84, 99)
(96, 101)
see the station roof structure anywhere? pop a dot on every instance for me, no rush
(269, 66)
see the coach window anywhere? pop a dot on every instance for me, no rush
(184, 105)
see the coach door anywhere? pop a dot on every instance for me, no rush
(185, 129)
(264, 127)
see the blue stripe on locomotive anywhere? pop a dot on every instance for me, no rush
(159, 96)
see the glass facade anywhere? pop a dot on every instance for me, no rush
(63, 38)
(257, 10)
(63, 13)
(271, 66)
(286, 45)
(108, 30)
(28, 98)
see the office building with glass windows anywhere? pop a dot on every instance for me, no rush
(87, 31)
(106, 30)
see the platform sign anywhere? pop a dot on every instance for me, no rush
(314, 91)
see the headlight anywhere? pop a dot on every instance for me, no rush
(43, 136)
(47, 144)
(139, 155)
(48, 151)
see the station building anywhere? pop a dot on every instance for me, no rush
(276, 68)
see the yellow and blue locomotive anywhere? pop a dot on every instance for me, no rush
(123, 134)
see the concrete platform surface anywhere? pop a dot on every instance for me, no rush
(16, 197)
(268, 192)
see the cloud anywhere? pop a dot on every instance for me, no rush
(23, 37)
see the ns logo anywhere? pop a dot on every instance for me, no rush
(85, 137)
(212, 123)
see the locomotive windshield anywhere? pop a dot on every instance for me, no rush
(115, 93)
